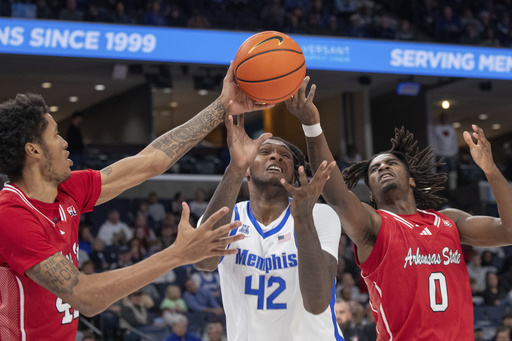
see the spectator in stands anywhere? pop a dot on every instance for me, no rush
(384, 28)
(156, 211)
(493, 294)
(134, 315)
(199, 204)
(176, 205)
(318, 18)
(273, 15)
(153, 15)
(502, 334)
(347, 288)
(356, 27)
(344, 320)
(114, 231)
(87, 267)
(201, 300)
(103, 259)
(173, 305)
(75, 142)
(405, 31)
(70, 12)
(85, 238)
(198, 20)
(477, 272)
(214, 332)
(180, 333)
(208, 281)
(448, 26)
(504, 30)
(138, 252)
(119, 16)
(176, 16)
(43, 11)
(168, 235)
(479, 334)
(124, 257)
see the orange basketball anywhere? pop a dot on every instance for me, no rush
(269, 67)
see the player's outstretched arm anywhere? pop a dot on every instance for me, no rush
(167, 149)
(91, 294)
(482, 230)
(356, 218)
(317, 268)
(242, 151)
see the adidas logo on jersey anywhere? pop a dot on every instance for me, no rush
(426, 232)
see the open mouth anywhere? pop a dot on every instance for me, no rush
(274, 168)
(386, 176)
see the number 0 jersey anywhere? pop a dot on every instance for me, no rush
(31, 231)
(417, 279)
(260, 285)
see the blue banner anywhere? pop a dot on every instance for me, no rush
(143, 43)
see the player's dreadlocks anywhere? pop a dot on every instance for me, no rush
(418, 164)
(298, 159)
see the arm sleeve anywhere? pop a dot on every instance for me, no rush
(328, 228)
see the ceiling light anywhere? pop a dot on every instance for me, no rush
(173, 104)
(483, 117)
(167, 90)
(99, 87)
(165, 113)
(54, 108)
(46, 85)
(456, 124)
(445, 104)
(496, 126)
(202, 92)
(73, 99)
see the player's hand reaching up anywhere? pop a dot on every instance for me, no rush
(302, 106)
(196, 244)
(481, 150)
(233, 96)
(305, 196)
(242, 149)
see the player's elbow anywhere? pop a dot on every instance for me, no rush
(315, 308)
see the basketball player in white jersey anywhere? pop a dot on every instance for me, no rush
(280, 286)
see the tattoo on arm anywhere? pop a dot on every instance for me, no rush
(107, 170)
(179, 140)
(59, 275)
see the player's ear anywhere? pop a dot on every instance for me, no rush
(372, 198)
(32, 150)
(412, 182)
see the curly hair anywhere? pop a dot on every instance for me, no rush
(298, 159)
(21, 121)
(418, 164)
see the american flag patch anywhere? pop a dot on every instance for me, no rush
(284, 238)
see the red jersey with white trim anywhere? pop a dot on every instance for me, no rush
(417, 279)
(31, 231)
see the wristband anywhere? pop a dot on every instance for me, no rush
(313, 130)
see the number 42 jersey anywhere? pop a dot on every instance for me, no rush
(260, 285)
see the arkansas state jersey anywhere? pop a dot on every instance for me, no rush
(31, 231)
(260, 285)
(417, 279)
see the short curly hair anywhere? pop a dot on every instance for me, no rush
(298, 159)
(21, 121)
(418, 164)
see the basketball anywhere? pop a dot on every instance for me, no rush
(269, 67)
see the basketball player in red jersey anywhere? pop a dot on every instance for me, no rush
(41, 290)
(409, 254)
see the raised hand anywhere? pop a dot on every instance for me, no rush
(302, 106)
(305, 196)
(481, 150)
(240, 101)
(242, 148)
(196, 244)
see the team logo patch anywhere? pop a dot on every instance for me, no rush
(72, 211)
(244, 229)
(447, 223)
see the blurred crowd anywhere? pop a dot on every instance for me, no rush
(484, 22)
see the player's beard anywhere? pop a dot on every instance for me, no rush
(265, 184)
(48, 168)
(389, 187)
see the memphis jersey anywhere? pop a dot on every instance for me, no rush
(260, 284)
(417, 279)
(31, 231)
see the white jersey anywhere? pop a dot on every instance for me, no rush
(260, 285)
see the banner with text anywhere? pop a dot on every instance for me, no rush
(144, 43)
